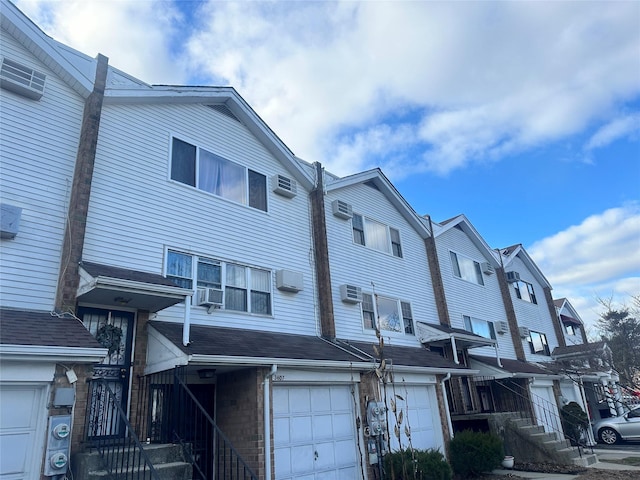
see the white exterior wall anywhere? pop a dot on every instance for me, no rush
(137, 211)
(534, 316)
(38, 148)
(467, 298)
(407, 279)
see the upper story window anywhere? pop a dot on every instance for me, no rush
(376, 235)
(538, 343)
(467, 269)
(524, 291)
(392, 315)
(214, 174)
(571, 329)
(245, 289)
(479, 327)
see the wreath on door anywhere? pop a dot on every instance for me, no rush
(109, 336)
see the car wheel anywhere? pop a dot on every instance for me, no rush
(609, 436)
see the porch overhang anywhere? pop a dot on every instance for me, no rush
(509, 368)
(120, 287)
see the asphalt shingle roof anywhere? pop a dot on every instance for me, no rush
(99, 270)
(512, 366)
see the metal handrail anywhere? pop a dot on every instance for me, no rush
(551, 419)
(208, 449)
(122, 453)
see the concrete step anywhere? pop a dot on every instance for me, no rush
(165, 471)
(558, 444)
(586, 460)
(531, 429)
(569, 453)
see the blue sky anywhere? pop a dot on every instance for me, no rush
(524, 116)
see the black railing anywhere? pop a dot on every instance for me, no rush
(546, 414)
(111, 434)
(168, 411)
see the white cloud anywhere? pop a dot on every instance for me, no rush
(600, 258)
(469, 82)
(614, 130)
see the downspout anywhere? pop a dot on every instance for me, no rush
(498, 355)
(446, 403)
(186, 326)
(267, 421)
(455, 350)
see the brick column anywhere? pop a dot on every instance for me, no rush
(555, 318)
(321, 257)
(73, 242)
(511, 314)
(436, 279)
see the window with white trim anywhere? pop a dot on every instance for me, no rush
(466, 268)
(571, 329)
(212, 173)
(246, 289)
(538, 343)
(479, 327)
(390, 314)
(524, 291)
(376, 235)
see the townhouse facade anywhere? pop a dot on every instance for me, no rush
(165, 252)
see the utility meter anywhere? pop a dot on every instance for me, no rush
(58, 443)
(61, 431)
(58, 460)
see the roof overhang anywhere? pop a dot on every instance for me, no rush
(47, 353)
(108, 290)
(434, 336)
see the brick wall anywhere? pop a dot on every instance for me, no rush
(240, 414)
(140, 341)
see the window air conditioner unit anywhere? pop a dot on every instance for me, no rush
(524, 332)
(211, 297)
(501, 326)
(350, 293)
(487, 268)
(513, 277)
(285, 186)
(21, 79)
(342, 209)
(289, 281)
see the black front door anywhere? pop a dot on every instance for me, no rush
(114, 331)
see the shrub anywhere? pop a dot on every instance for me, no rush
(473, 453)
(411, 464)
(574, 422)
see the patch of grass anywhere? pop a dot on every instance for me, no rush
(633, 461)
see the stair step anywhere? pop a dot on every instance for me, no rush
(532, 429)
(571, 452)
(586, 460)
(166, 471)
(558, 444)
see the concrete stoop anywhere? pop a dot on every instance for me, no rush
(549, 446)
(168, 461)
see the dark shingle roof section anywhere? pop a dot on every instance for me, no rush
(585, 349)
(99, 270)
(410, 356)
(231, 342)
(37, 328)
(512, 366)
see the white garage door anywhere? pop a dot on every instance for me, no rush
(423, 417)
(546, 408)
(21, 431)
(314, 433)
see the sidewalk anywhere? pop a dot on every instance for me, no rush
(602, 463)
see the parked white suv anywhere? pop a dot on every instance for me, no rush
(624, 427)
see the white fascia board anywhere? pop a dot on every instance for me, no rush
(389, 191)
(46, 353)
(473, 235)
(44, 48)
(146, 288)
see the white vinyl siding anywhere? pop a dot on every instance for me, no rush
(137, 213)
(465, 298)
(39, 144)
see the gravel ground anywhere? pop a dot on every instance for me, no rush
(583, 473)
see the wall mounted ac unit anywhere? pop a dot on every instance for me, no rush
(209, 297)
(342, 209)
(524, 332)
(289, 281)
(21, 79)
(487, 268)
(285, 186)
(350, 293)
(513, 277)
(501, 326)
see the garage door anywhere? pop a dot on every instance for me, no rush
(21, 431)
(546, 408)
(314, 433)
(423, 417)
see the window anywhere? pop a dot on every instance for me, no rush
(246, 289)
(392, 315)
(479, 327)
(570, 329)
(467, 269)
(376, 235)
(214, 174)
(524, 291)
(538, 343)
